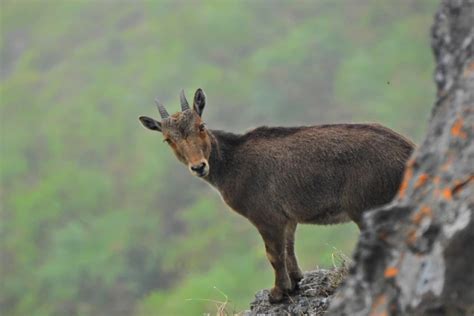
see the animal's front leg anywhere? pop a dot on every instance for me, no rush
(274, 238)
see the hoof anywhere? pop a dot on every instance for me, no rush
(277, 295)
(295, 287)
(295, 277)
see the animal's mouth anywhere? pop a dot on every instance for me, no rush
(202, 174)
(200, 170)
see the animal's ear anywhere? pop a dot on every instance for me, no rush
(199, 101)
(150, 123)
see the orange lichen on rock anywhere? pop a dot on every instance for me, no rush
(406, 179)
(456, 129)
(421, 180)
(425, 211)
(379, 306)
(390, 272)
(447, 194)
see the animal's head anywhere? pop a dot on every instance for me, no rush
(185, 133)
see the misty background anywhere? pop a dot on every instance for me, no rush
(97, 216)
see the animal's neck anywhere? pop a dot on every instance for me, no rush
(223, 149)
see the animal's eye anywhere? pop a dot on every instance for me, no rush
(202, 127)
(167, 140)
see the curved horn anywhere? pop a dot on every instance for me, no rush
(163, 113)
(183, 101)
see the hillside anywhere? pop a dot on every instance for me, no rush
(97, 217)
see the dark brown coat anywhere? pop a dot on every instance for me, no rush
(279, 177)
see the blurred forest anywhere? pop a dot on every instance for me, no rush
(97, 216)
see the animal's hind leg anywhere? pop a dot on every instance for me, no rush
(357, 218)
(274, 238)
(291, 263)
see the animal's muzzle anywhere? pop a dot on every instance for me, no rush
(200, 169)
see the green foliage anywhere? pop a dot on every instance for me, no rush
(97, 217)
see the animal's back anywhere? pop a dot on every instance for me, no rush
(320, 174)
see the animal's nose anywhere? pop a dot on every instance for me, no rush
(199, 168)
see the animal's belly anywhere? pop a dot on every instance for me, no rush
(332, 213)
(325, 218)
(304, 204)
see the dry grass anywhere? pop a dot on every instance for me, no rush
(315, 287)
(341, 264)
(221, 306)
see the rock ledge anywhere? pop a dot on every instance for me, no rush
(313, 297)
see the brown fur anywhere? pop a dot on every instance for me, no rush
(279, 177)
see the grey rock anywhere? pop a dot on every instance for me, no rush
(313, 297)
